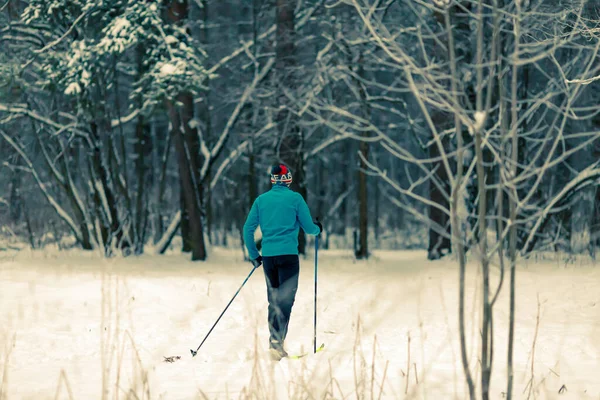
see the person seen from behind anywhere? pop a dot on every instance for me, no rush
(280, 213)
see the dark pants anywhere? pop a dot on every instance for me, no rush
(281, 273)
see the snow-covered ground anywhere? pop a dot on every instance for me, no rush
(73, 325)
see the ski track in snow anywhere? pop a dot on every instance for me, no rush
(80, 314)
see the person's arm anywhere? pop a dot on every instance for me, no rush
(305, 219)
(249, 229)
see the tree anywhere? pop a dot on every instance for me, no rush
(291, 139)
(467, 99)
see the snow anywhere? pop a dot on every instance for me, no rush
(120, 26)
(171, 39)
(193, 124)
(479, 120)
(78, 48)
(119, 36)
(85, 78)
(73, 88)
(75, 314)
(167, 69)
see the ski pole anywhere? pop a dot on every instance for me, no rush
(230, 301)
(315, 316)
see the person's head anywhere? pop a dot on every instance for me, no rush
(281, 175)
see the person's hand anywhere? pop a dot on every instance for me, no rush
(257, 262)
(320, 225)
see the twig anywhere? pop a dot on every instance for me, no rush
(529, 385)
(416, 374)
(383, 380)
(4, 381)
(373, 367)
(67, 33)
(63, 378)
(584, 81)
(407, 366)
(356, 344)
(562, 389)
(537, 326)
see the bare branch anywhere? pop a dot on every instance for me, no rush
(67, 33)
(233, 118)
(583, 81)
(301, 22)
(587, 177)
(236, 153)
(57, 207)
(21, 110)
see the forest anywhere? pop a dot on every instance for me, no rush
(466, 129)
(408, 124)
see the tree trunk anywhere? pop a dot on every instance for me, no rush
(362, 251)
(30, 233)
(377, 214)
(191, 222)
(439, 188)
(143, 150)
(15, 202)
(141, 213)
(514, 157)
(523, 94)
(439, 244)
(320, 188)
(252, 183)
(205, 126)
(106, 199)
(290, 147)
(192, 142)
(186, 235)
(363, 205)
(82, 214)
(162, 183)
(347, 208)
(595, 226)
(595, 223)
(187, 146)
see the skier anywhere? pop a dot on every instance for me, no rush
(280, 212)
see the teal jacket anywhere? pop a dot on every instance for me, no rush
(280, 212)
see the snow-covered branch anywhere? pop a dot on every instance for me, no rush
(216, 150)
(21, 110)
(339, 201)
(67, 33)
(163, 242)
(115, 123)
(584, 81)
(236, 153)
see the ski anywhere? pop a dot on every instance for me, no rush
(297, 356)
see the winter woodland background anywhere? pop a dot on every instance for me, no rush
(125, 123)
(469, 127)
